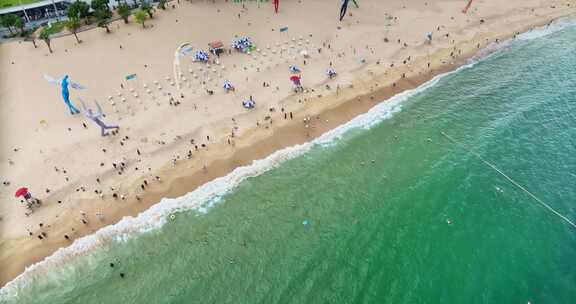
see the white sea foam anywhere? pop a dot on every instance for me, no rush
(208, 194)
(535, 33)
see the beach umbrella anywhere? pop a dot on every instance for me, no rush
(276, 4)
(331, 72)
(228, 86)
(295, 79)
(22, 192)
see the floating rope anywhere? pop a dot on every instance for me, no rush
(493, 167)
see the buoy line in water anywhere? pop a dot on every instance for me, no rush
(493, 167)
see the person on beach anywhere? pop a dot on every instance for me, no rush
(95, 117)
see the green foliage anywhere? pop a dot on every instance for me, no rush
(141, 16)
(8, 21)
(146, 7)
(45, 35)
(100, 5)
(162, 4)
(124, 11)
(9, 3)
(78, 10)
(19, 23)
(56, 27)
(103, 15)
(73, 25)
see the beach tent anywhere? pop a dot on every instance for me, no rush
(216, 47)
(243, 44)
(228, 86)
(248, 104)
(331, 73)
(201, 56)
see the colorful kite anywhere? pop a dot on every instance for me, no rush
(95, 117)
(64, 83)
(344, 7)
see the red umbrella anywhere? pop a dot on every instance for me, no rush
(21, 191)
(276, 4)
(295, 78)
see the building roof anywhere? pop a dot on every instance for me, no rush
(18, 8)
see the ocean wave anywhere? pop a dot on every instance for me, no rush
(210, 193)
(535, 33)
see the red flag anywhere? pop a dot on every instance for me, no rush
(276, 4)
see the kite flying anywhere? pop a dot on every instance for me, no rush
(64, 83)
(95, 117)
(465, 10)
(344, 7)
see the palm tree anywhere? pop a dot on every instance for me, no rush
(45, 35)
(8, 21)
(78, 9)
(73, 25)
(19, 23)
(145, 6)
(103, 17)
(30, 36)
(141, 17)
(124, 11)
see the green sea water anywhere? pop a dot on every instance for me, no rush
(394, 213)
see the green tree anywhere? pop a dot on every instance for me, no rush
(103, 18)
(45, 35)
(124, 11)
(162, 4)
(8, 21)
(100, 5)
(78, 9)
(141, 17)
(20, 24)
(73, 24)
(146, 7)
(30, 36)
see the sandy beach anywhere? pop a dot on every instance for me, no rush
(169, 144)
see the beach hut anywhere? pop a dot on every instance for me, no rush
(216, 47)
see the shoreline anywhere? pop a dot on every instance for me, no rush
(256, 144)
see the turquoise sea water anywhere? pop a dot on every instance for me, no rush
(391, 214)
